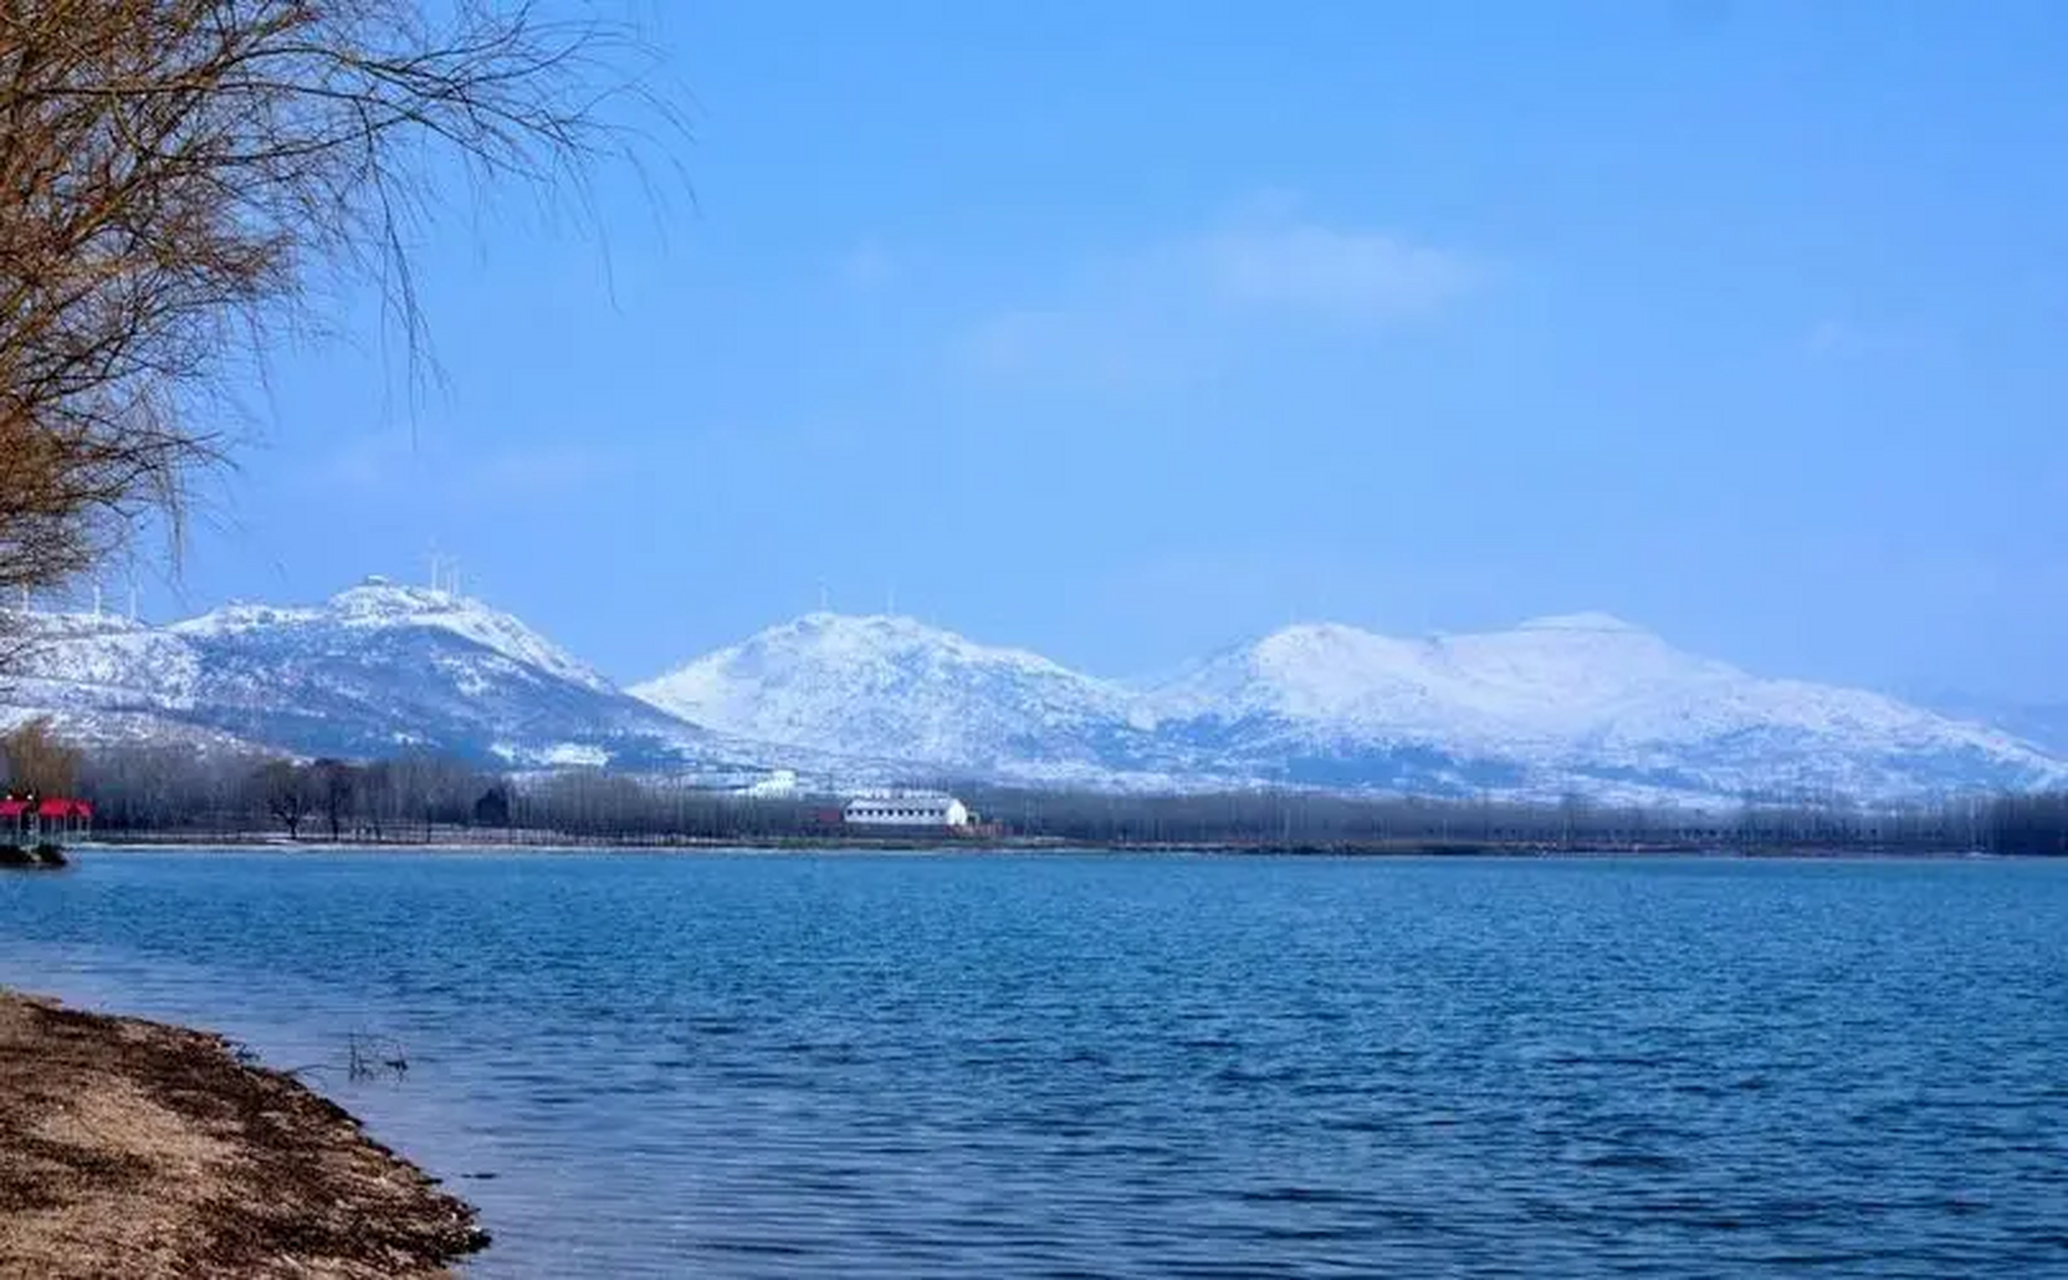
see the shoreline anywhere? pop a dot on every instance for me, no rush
(143, 1149)
(452, 842)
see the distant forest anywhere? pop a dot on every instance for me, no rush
(174, 792)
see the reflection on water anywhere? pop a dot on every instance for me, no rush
(968, 1065)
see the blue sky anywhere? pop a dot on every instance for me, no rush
(1124, 332)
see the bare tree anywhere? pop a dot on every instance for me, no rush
(179, 177)
(333, 786)
(36, 761)
(284, 785)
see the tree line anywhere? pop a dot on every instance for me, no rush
(1284, 818)
(179, 792)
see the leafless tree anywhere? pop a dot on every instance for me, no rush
(36, 760)
(284, 787)
(181, 180)
(333, 786)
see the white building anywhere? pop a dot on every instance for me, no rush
(906, 811)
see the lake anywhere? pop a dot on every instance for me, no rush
(967, 1064)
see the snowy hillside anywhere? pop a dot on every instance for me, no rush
(896, 689)
(375, 670)
(379, 605)
(1583, 701)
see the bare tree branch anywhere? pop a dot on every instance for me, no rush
(178, 176)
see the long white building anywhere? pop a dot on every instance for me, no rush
(906, 811)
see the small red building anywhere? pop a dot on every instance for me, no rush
(33, 819)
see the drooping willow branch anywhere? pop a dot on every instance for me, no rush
(177, 176)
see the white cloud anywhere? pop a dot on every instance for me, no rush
(1357, 274)
(1164, 310)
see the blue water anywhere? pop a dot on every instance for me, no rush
(778, 1065)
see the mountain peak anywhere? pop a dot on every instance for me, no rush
(882, 623)
(834, 636)
(886, 686)
(1594, 621)
(376, 669)
(378, 604)
(376, 595)
(1319, 631)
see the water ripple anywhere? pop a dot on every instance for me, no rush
(854, 1066)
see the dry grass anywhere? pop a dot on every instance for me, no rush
(141, 1150)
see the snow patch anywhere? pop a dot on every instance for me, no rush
(574, 755)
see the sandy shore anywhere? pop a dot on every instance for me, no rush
(135, 1149)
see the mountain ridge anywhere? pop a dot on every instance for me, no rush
(1582, 699)
(793, 671)
(375, 669)
(1579, 701)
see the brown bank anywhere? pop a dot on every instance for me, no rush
(134, 1149)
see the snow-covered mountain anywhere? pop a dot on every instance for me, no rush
(1584, 702)
(896, 689)
(375, 670)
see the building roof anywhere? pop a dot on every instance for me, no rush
(48, 807)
